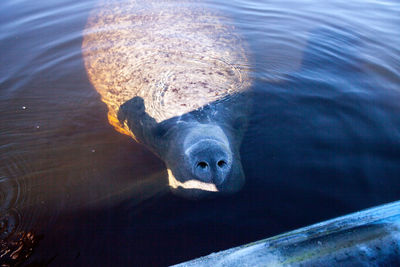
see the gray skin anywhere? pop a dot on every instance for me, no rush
(174, 76)
(202, 145)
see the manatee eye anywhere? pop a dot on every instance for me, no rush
(221, 163)
(202, 164)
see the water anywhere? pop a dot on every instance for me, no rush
(323, 140)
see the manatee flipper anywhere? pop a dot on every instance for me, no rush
(133, 113)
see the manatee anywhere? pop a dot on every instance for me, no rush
(175, 77)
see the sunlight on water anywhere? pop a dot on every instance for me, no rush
(323, 138)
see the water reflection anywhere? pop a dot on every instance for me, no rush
(323, 139)
(57, 153)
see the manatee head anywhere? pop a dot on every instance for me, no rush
(202, 160)
(200, 149)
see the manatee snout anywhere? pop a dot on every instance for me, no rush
(208, 163)
(211, 161)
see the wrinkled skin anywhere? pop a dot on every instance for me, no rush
(200, 149)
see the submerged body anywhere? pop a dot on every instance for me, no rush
(174, 77)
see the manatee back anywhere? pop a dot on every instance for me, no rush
(177, 58)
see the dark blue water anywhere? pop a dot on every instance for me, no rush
(323, 139)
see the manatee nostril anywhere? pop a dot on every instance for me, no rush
(221, 163)
(202, 164)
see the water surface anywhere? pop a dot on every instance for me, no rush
(323, 139)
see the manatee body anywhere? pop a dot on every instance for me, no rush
(174, 77)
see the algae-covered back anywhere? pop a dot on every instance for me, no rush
(178, 57)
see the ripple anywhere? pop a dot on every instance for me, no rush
(46, 15)
(9, 223)
(327, 76)
(9, 193)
